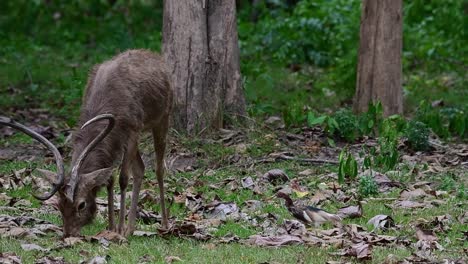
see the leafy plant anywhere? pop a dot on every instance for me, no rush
(456, 119)
(347, 124)
(294, 115)
(445, 121)
(371, 119)
(348, 167)
(417, 134)
(385, 155)
(313, 120)
(368, 186)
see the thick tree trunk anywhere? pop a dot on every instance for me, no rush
(200, 46)
(379, 71)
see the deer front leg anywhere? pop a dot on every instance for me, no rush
(123, 182)
(138, 173)
(110, 203)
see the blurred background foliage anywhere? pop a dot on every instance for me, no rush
(296, 56)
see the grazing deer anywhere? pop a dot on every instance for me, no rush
(124, 96)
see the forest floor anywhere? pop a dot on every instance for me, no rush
(224, 210)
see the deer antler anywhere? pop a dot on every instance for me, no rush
(58, 157)
(74, 179)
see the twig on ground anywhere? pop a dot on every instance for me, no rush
(381, 199)
(306, 160)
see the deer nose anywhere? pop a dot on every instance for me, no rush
(71, 232)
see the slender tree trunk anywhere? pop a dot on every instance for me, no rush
(379, 71)
(200, 46)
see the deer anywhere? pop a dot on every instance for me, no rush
(124, 97)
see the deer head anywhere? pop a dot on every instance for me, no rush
(77, 191)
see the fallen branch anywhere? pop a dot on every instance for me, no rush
(381, 199)
(437, 145)
(305, 160)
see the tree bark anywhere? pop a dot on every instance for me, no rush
(379, 74)
(201, 48)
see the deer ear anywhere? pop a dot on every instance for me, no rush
(50, 176)
(97, 178)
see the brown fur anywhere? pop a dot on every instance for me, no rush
(133, 86)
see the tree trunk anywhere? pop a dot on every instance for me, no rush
(200, 46)
(379, 71)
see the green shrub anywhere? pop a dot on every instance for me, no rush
(456, 119)
(368, 186)
(417, 134)
(445, 122)
(294, 115)
(348, 127)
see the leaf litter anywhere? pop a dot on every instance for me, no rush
(204, 216)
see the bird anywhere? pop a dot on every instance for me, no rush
(307, 214)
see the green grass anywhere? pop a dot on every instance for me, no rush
(191, 251)
(188, 250)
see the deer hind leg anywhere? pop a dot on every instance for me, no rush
(159, 138)
(123, 182)
(138, 173)
(110, 204)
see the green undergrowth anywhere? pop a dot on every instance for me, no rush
(306, 52)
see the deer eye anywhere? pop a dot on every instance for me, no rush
(81, 205)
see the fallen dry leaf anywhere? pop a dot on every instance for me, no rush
(182, 162)
(71, 241)
(50, 260)
(4, 198)
(382, 222)
(248, 183)
(229, 238)
(146, 259)
(410, 204)
(99, 260)
(9, 258)
(110, 236)
(463, 218)
(184, 229)
(306, 172)
(353, 211)
(221, 210)
(16, 232)
(33, 247)
(148, 217)
(170, 259)
(49, 228)
(144, 233)
(412, 194)
(252, 206)
(424, 234)
(148, 196)
(320, 196)
(275, 121)
(193, 202)
(274, 241)
(294, 227)
(361, 250)
(442, 222)
(275, 176)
